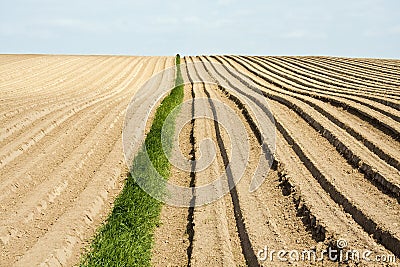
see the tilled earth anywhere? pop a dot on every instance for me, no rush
(335, 176)
(61, 159)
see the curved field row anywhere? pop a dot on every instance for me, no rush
(359, 68)
(335, 173)
(342, 181)
(40, 81)
(24, 113)
(374, 64)
(62, 166)
(325, 121)
(19, 60)
(92, 84)
(377, 119)
(382, 98)
(341, 73)
(61, 108)
(9, 59)
(17, 105)
(369, 63)
(231, 230)
(332, 78)
(30, 67)
(287, 111)
(376, 141)
(380, 104)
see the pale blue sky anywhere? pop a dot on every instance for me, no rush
(358, 28)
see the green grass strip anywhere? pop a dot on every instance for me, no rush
(126, 238)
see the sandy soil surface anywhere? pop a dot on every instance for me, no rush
(61, 160)
(336, 173)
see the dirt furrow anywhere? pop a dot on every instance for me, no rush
(13, 150)
(363, 63)
(353, 151)
(50, 199)
(377, 120)
(9, 60)
(42, 202)
(66, 239)
(370, 165)
(20, 106)
(27, 172)
(173, 238)
(324, 218)
(369, 133)
(370, 65)
(216, 240)
(376, 141)
(63, 208)
(44, 85)
(342, 75)
(362, 203)
(346, 70)
(363, 71)
(92, 84)
(15, 86)
(333, 81)
(25, 120)
(47, 155)
(275, 215)
(375, 212)
(335, 173)
(343, 64)
(14, 70)
(384, 106)
(65, 85)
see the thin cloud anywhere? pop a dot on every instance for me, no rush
(294, 34)
(225, 2)
(303, 34)
(226, 26)
(390, 31)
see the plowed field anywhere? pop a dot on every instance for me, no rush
(336, 173)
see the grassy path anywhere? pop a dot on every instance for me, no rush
(127, 237)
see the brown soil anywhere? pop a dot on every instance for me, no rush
(341, 184)
(61, 154)
(336, 173)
